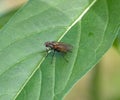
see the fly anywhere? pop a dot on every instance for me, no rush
(58, 47)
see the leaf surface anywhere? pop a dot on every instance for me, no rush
(25, 72)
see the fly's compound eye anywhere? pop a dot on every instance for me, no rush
(49, 44)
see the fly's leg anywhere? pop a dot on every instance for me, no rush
(53, 55)
(47, 51)
(63, 55)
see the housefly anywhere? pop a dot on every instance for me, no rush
(58, 47)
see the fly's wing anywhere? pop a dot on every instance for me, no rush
(63, 47)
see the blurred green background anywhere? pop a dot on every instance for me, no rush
(101, 83)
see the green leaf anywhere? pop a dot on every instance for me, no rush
(99, 28)
(5, 18)
(117, 42)
(25, 72)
